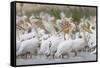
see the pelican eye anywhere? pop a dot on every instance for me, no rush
(92, 43)
(93, 28)
(33, 36)
(80, 36)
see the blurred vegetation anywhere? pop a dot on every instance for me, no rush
(75, 12)
(55, 12)
(82, 12)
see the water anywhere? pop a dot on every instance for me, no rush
(83, 56)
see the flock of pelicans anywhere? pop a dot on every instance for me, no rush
(56, 38)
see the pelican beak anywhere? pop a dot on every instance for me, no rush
(89, 31)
